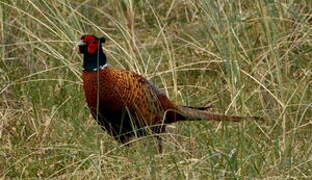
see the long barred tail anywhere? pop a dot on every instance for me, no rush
(199, 108)
(188, 113)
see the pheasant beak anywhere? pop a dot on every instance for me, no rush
(81, 43)
(82, 47)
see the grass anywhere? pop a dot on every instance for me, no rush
(246, 57)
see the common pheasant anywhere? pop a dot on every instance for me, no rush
(125, 104)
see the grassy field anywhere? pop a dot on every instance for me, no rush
(250, 58)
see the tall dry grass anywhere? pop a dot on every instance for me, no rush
(244, 57)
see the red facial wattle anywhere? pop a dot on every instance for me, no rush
(92, 43)
(92, 48)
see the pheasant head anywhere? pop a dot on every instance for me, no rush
(93, 56)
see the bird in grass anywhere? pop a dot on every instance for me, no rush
(125, 104)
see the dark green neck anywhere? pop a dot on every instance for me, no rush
(94, 62)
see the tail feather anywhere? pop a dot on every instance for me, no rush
(186, 113)
(199, 108)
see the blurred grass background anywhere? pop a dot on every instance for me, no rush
(248, 58)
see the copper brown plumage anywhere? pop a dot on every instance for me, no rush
(124, 103)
